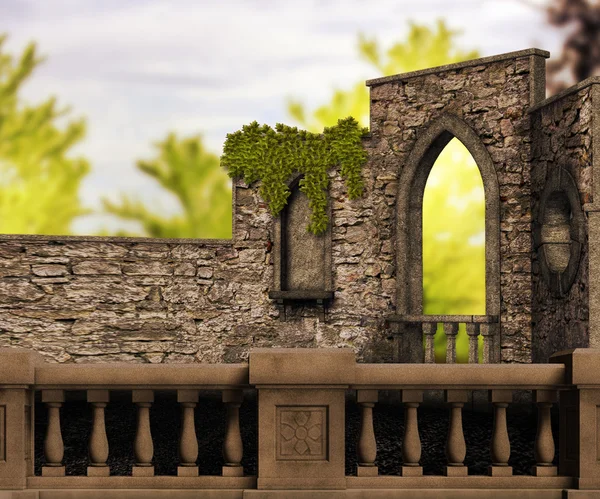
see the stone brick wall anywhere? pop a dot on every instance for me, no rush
(78, 299)
(492, 98)
(562, 138)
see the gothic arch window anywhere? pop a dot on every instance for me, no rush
(413, 179)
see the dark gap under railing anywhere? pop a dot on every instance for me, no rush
(165, 421)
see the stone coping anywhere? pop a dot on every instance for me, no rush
(300, 367)
(41, 238)
(123, 375)
(459, 376)
(592, 80)
(459, 65)
(308, 294)
(442, 318)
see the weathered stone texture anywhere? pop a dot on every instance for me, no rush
(562, 138)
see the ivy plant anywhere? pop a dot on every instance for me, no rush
(272, 156)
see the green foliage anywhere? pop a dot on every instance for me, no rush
(39, 184)
(259, 152)
(453, 269)
(193, 175)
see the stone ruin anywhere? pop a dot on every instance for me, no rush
(100, 299)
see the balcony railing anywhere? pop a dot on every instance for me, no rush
(301, 444)
(407, 339)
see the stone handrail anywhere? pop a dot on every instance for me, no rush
(301, 425)
(486, 325)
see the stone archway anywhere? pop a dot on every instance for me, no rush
(409, 211)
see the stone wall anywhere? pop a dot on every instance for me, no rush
(491, 96)
(94, 299)
(562, 139)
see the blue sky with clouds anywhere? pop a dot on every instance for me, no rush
(138, 69)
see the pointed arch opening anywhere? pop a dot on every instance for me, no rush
(431, 141)
(454, 244)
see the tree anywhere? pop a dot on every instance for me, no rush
(453, 249)
(580, 55)
(39, 184)
(195, 177)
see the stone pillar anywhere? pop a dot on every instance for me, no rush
(188, 443)
(17, 376)
(143, 446)
(579, 415)
(594, 269)
(53, 443)
(429, 329)
(544, 441)
(411, 443)
(366, 448)
(450, 330)
(500, 444)
(301, 423)
(98, 445)
(455, 444)
(233, 448)
(473, 333)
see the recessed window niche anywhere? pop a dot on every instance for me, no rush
(302, 260)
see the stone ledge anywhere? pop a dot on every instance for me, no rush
(459, 65)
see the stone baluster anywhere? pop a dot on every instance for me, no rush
(500, 445)
(487, 331)
(188, 443)
(411, 443)
(455, 444)
(544, 441)
(429, 329)
(143, 446)
(98, 445)
(53, 443)
(366, 449)
(450, 330)
(233, 448)
(473, 333)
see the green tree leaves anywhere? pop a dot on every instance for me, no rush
(39, 183)
(193, 175)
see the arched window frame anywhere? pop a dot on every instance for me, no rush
(409, 211)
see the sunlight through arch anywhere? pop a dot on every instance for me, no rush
(454, 244)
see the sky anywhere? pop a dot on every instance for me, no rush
(138, 69)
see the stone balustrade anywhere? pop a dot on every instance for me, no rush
(485, 325)
(301, 426)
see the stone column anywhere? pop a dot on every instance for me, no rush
(473, 333)
(53, 443)
(98, 445)
(366, 448)
(17, 374)
(455, 444)
(450, 330)
(188, 443)
(143, 446)
(429, 329)
(233, 449)
(579, 431)
(487, 331)
(544, 441)
(500, 444)
(411, 443)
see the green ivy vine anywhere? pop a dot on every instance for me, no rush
(259, 152)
